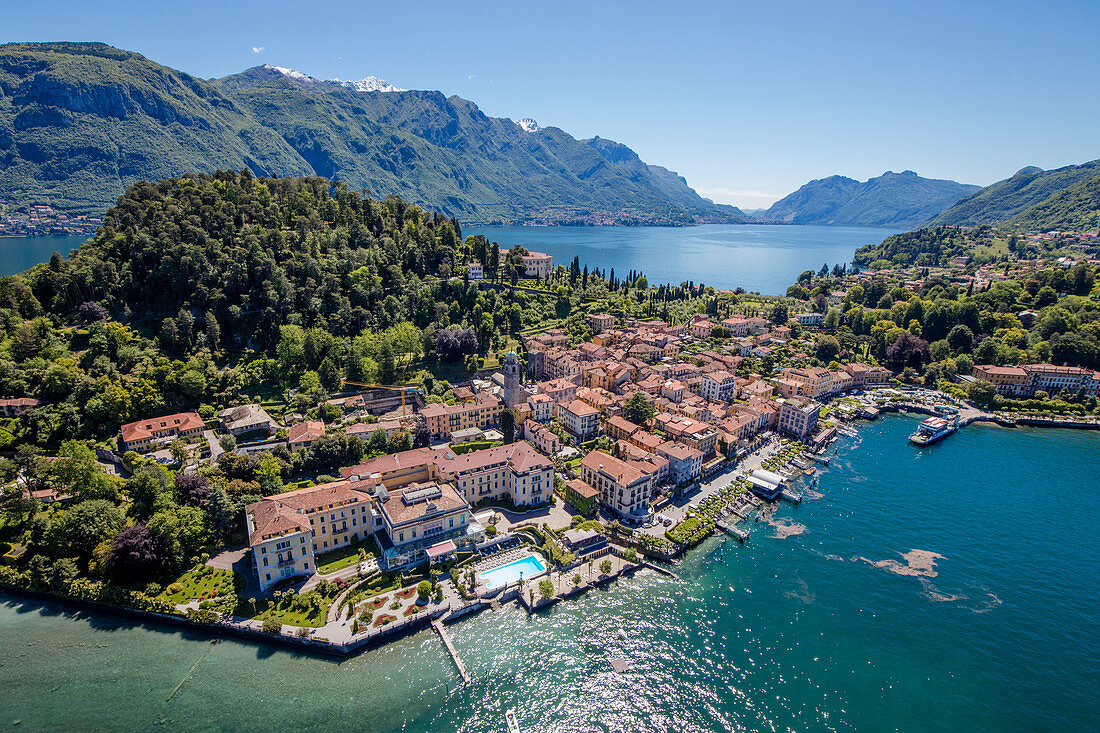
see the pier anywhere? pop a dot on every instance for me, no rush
(732, 529)
(438, 626)
(659, 569)
(791, 495)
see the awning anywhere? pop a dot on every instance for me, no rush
(441, 549)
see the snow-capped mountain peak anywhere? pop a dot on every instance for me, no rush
(528, 124)
(368, 84)
(292, 73)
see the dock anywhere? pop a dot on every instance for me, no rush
(438, 626)
(659, 569)
(792, 496)
(732, 529)
(744, 511)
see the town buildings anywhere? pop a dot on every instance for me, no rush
(246, 419)
(580, 419)
(798, 417)
(287, 531)
(303, 434)
(536, 264)
(1026, 380)
(718, 386)
(625, 487)
(17, 406)
(148, 435)
(481, 412)
(601, 321)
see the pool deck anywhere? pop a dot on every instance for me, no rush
(519, 579)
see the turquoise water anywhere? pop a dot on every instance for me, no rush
(528, 567)
(756, 257)
(817, 623)
(21, 253)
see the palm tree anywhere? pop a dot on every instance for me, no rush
(252, 602)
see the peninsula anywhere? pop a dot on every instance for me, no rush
(277, 407)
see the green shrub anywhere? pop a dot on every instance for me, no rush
(272, 626)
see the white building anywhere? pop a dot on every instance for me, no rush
(718, 386)
(626, 487)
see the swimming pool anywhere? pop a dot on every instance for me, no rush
(526, 568)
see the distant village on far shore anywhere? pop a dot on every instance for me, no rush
(43, 221)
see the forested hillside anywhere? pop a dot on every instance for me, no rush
(204, 289)
(1076, 208)
(1014, 196)
(81, 121)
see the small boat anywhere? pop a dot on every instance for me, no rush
(510, 719)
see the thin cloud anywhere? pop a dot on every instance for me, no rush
(257, 49)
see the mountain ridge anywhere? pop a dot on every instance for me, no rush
(1011, 200)
(81, 121)
(901, 200)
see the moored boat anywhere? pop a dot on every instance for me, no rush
(932, 429)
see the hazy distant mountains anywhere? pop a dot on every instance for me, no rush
(1034, 199)
(903, 200)
(80, 121)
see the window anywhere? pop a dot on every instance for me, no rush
(266, 562)
(269, 576)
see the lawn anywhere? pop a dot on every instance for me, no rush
(294, 609)
(205, 583)
(344, 557)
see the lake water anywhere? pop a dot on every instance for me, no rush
(22, 253)
(828, 619)
(756, 257)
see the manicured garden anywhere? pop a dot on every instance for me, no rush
(345, 557)
(202, 584)
(294, 609)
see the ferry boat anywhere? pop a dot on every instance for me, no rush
(933, 429)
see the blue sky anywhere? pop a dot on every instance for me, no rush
(748, 101)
